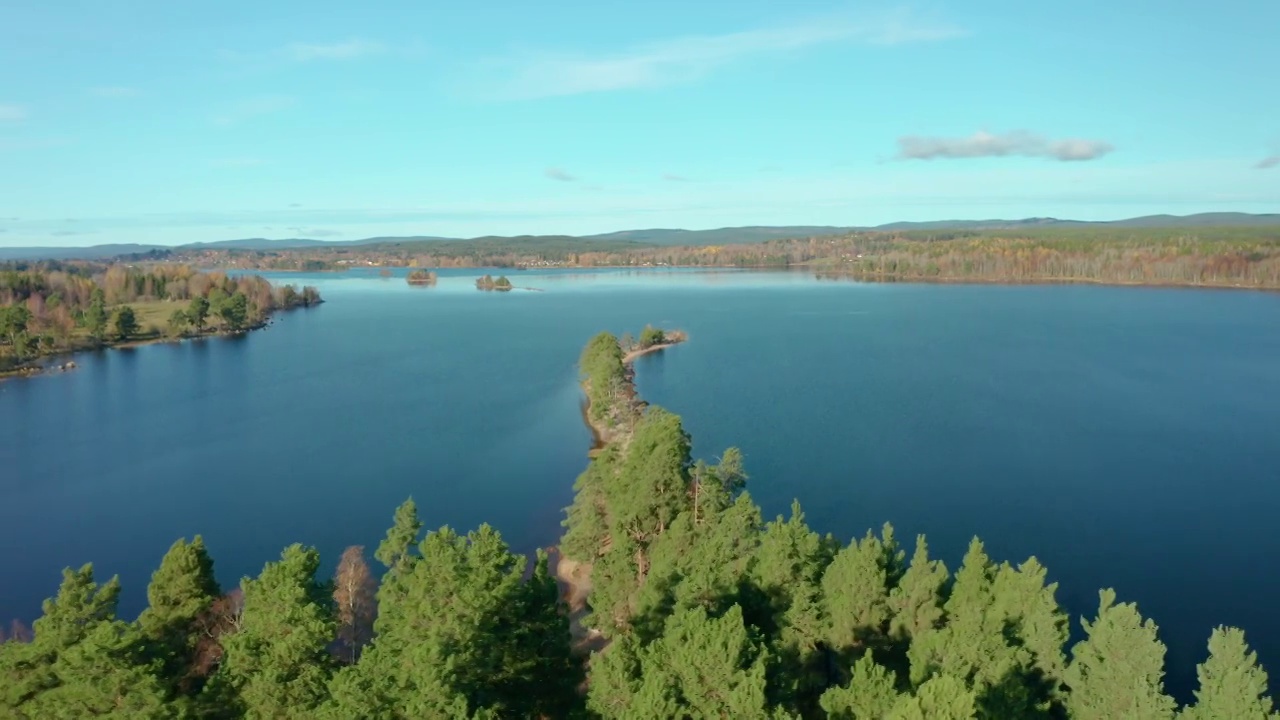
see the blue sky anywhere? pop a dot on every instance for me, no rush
(155, 122)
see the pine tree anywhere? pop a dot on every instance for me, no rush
(855, 590)
(82, 661)
(870, 693)
(1117, 670)
(1232, 684)
(396, 548)
(916, 603)
(702, 667)
(278, 662)
(180, 593)
(942, 698)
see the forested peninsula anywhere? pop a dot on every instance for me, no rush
(55, 308)
(699, 609)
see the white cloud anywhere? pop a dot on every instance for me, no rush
(1267, 162)
(253, 107)
(114, 91)
(984, 144)
(346, 50)
(681, 60)
(560, 174)
(673, 177)
(12, 113)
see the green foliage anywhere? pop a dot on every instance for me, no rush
(179, 597)
(95, 319)
(870, 693)
(1117, 670)
(651, 336)
(278, 661)
(126, 323)
(198, 312)
(1232, 684)
(234, 311)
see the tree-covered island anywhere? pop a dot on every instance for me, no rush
(697, 607)
(54, 308)
(488, 282)
(421, 277)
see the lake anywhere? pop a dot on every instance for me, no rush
(1127, 437)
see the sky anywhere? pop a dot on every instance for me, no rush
(167, 123)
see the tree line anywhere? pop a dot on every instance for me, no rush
(50, 308)
(1227, 256)
(707, 610)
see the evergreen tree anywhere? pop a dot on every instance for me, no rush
(400, 540)
(180, 593)
(855, 590)
(1117, 670)
(916, 603)
(1232, 684)
(278, 662)
(198, 312)
(942, 698)
(126, 323)
(82, 662)
(702, 667)
(871, 693)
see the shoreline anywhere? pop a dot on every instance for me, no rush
(46, 365)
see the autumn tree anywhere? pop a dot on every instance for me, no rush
(354, 591)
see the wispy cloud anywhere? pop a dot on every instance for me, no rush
(1268, 162)
(254, 107)
(672, 177)
(235, 162)
(984, 144)
(114, 91)
(560, 174)
(685, 59)
(12, 113)
(345, 50)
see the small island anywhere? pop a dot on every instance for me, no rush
(421, 278)
(488, 282)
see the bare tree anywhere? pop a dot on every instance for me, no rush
(354, 591)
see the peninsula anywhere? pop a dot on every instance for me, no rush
(55, 308)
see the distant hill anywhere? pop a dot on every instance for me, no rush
(651, 237)
(95, 252)
(720, 236)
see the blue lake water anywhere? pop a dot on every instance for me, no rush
(1126, 437)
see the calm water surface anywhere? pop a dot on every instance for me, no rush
(1126, 437)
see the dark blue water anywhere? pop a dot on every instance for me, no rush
(1125, 437)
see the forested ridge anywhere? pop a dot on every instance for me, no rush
(55, 307)
(708, 611)
(1184, 256)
